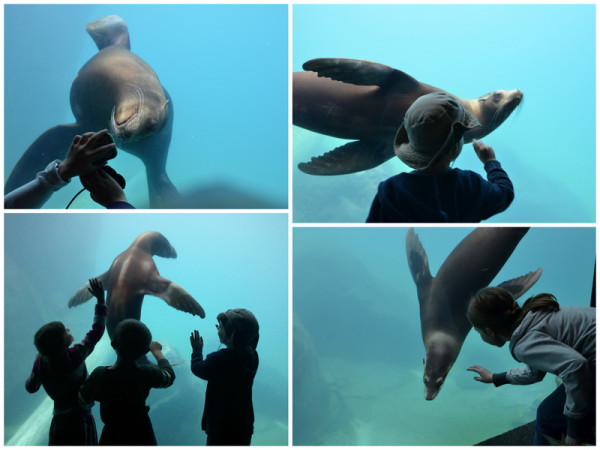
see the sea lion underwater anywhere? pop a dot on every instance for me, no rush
(444, 300)
(118, 91)
(132, 275)
(366, 102)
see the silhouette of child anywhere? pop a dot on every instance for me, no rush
(228, 417)
(122, 388)
(430, 138)
(61, 370)
(548, 339)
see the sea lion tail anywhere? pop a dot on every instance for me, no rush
(109, 30)
(418, 263)
(518, 286)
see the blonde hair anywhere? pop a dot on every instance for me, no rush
(496, 308)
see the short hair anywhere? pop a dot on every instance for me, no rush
(50, 339)
(131, 339)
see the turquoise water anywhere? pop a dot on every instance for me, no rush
(225, 67)
(547, 146)
(224, 261)
(358, 349)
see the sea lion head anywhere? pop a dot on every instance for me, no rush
(139, 115)
(155, 244)
(441, 355)
(496, 106)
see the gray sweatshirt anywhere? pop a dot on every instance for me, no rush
(560, 342)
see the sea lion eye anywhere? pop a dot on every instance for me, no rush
(497, 95)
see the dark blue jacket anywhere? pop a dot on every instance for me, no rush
(453, 195)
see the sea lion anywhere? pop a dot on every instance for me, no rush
(119, 91)
(132, 275)
(443, 300)
(366, 102)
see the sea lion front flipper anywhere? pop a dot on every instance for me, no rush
(107, 31)
(50, 145)
(180, 299)
(418, 263)
(518, 286)
(83, 294)
(349, 158)
(359, 72)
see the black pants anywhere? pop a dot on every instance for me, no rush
(550, 420)
(232, 437)
(74, 428)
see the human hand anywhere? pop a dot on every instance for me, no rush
(484, 152)
(87, 153)
(103, 187)
(572, 441)
(97, 290)
(155, 349)
(485, 376)
(196, 340)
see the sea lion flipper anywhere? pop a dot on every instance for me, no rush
(50, 145)
(359, 72)
(107, 31)
(418, 263)
(83, 294)
(180, 299)
(518, 286)
(349, 158)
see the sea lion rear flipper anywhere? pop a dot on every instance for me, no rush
(418, 263)
(359, 72)
(50, 145)
(349, 158)
(83, 294)
(518, 286)
(107, 31)
(180, 299)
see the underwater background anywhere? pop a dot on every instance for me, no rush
(225, 67)
(547, 146)
(223, 260)
(357, 346)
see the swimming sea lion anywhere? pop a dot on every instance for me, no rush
(444, 300)
(132, 275)
(366, 102)
(116, 90)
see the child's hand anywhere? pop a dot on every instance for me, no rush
(155, 349)
(196, 340)
(97, 290)
(485, 376)
(484, 152)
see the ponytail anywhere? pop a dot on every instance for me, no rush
(540, 301)
(496, 308)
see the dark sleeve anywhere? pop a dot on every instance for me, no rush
(33, 382)
(375, 211)
(207, 368)
(86, 346)
(162, 376)
(499, 379)
(120, 205)
(90, 388)
(499, 192)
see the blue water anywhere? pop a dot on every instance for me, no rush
(358, 349)
(547, 146)
(224, 261)
(225, 66)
